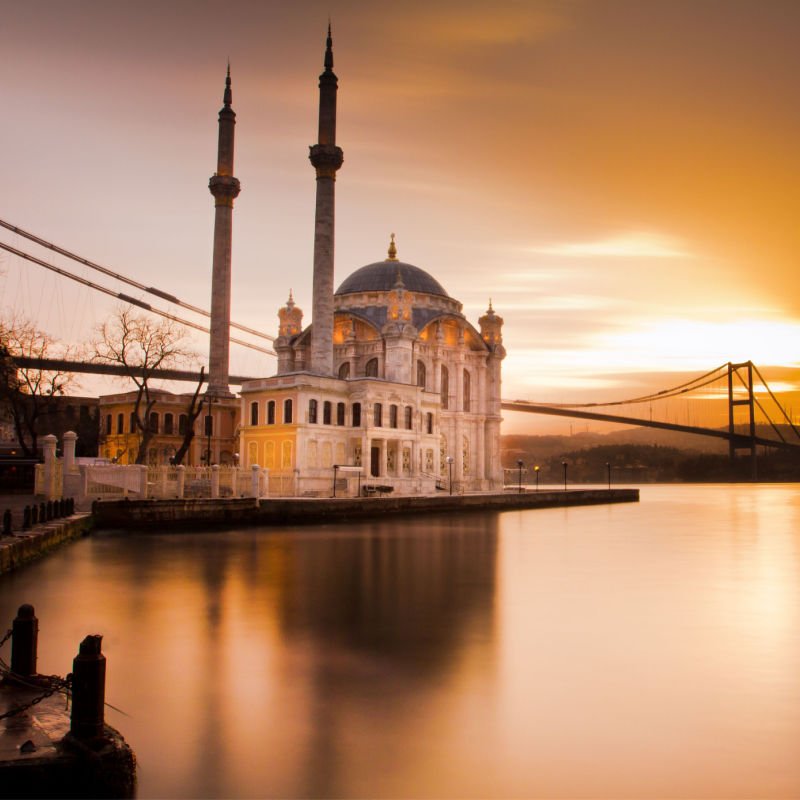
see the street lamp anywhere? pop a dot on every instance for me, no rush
(608, 470)
(209, 423)
(519, 467)
(564, 464)
(536, 471)
(450, 469)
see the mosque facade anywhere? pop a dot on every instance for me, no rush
(390, 388)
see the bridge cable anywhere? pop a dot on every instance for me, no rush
(106, 271)
(775, 400)
(127, 298)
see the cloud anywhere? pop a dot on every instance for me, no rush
(628, 245)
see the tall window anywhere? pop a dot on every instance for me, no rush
(120, 423)
(378, 415)
(287, 412)
(344, 370)
(208, 429)
(182, 422)
(271, 412)
(445, 388)
(108, 424)
(421, 374)
(409, 415)
(429, 422)
(254, 413)
(340, 413)
(467, 390)
(312, 411)
(133, 422)
(356, 415)
(153, 422)
(392, 416)
(168, 424)
(327, 412)
(371, 369)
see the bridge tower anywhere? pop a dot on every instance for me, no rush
(326, 159)
(225, 188)
(749, 401)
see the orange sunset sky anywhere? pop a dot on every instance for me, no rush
(620, 177)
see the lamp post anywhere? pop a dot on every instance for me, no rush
(209, 423)
(450, 469)
(519, 480)
(536, 472)
(608, 470)
(335, 470)
(564, 464)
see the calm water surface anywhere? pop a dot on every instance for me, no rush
(632, 651)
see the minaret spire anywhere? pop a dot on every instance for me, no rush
(326, 158)
(225, 188)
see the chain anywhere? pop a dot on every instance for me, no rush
(58, 685)
(6, 637)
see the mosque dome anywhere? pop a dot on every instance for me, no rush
(382, 277)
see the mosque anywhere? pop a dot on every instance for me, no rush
(390, 388)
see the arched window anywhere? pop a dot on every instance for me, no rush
(182, 421)
(168, 424)
(133, 422)
(421, 374)
(392, 416)
(409, 413)
(371, 368)
(209, 425)
(429, 422)
(327, 412)
(467, 390)
(344, 370)
(445, 391)
(377, 411)
(120, 423)
(312, 411)
(356, 415)
(271, 412)
(254, 413)
(287, 414)
(340, 413)
(108, 424)
(153, 422)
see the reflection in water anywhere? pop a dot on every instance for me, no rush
(645, 650)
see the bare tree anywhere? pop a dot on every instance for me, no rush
(192, 413)
(30, 393)
(141, 346)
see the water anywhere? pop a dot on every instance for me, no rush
(643, 650)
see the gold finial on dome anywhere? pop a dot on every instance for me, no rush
(392, 250)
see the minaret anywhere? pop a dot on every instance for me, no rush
(326, 158)
(225, 188)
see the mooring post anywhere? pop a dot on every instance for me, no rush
(49, 510)
(42, 512)
(26, 518)
(34, 514)
(180, 472)
(88, 690)
(7, 522)
(24, 641)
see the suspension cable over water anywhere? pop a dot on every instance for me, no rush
(127, 298)
(149, 289)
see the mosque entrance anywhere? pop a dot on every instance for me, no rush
(375, 461)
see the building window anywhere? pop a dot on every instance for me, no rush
(287, 414)
(378, 415)
(392, 416)
(208, 428)
(327, 412)
(133, 422)
(344, 370)
(467, 390)
(312, 412)
(356, 415)
(120, 423)
(271, 412)
(254, 413)
(421, 374)
(340, 414)
(409, 414)
(108, 424)
(168, 423)
(371, 369)
(445, 391)
(182, 422)
(429, 422)
(153, 425)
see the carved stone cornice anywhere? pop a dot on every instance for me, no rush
(224, 188)
(326, 159)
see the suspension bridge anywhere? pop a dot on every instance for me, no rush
(733, 402)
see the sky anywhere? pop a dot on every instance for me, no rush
(621, 178)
